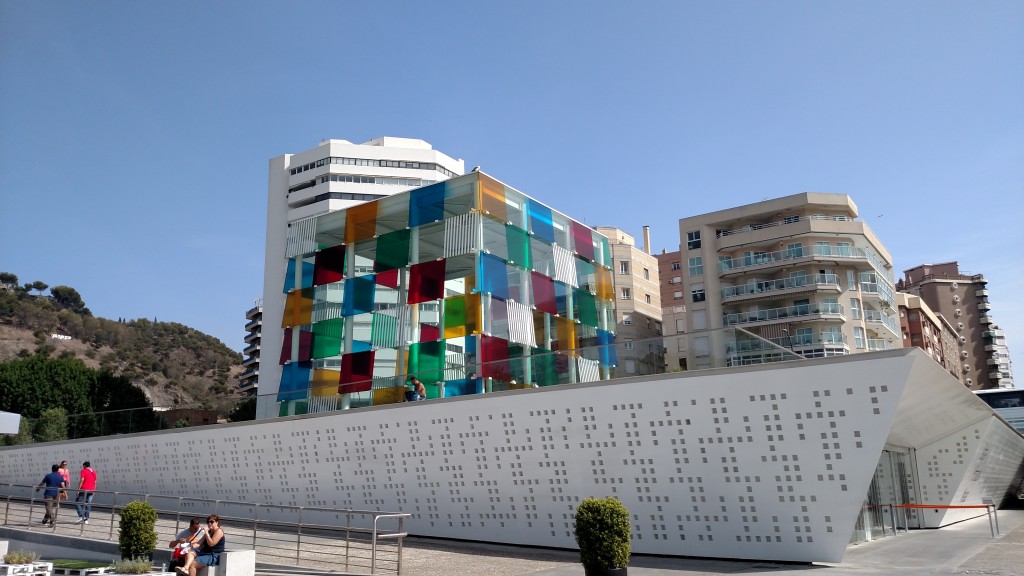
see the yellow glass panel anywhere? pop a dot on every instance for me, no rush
(325, 383)
(389, 395)
(565, 329)
(492, 198)
(360, 222)
(298, 308)
(603, 281)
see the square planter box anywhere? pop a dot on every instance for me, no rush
(34, 569)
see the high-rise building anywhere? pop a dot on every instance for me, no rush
(638, 303)
(335, 175)
(467, 284)
(248, 381)
(800, 271)
(962, 298)
(930, 332)
(673, 310)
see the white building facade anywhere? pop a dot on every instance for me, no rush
(333, 176)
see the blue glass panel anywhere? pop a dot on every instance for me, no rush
(605, 340)
(289, 276)
(359, 293)
(540, 220)
(463, 387)
(426, 205)
(493, 276)
(294, 381)
(562, 293)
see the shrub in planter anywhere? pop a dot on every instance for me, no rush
(603, 535)
(20, 557)
(133, 566)
(136, 537)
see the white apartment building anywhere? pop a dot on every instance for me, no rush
(800, 271)
(335, 175)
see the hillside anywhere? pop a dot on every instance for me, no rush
(173, 364)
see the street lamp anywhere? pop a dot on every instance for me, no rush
(789, 342)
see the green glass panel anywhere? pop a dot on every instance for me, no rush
(327, 337)
(545, 368)
(454, 314)
(392, 251)
(426, 361)
(518, 242)
(586, 307)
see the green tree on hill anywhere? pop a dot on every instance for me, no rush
(69, 298)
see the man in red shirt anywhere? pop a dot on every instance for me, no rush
(86, 490)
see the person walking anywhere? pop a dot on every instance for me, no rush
(53, 482)
(66, 474)
(86, 491)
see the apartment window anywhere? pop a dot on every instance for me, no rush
(675, 265)
(677, 280)
(680, 344)
(647, 298)
(624, 267)
(858, 337)
(794, 250)
(831, 306)
(626, 294)
(855, 308)
(627, 319)
(697, 292)
(693, 240)
(701, 346)
(822, 249)
(804, 336)
(647, 274)
(696, 266)
(677, 295)
(699, 318)
(631, 366)
(791, 219)
(851, 281)
(680, 325)
(627, 345)
(844, 249)
(725, 263)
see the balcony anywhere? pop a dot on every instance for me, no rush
(800, 312)
(783, 287)
(875, 291)
(258, 322)
(992, 361)
(253, 347)
(995, 376)
(251, 337)
(252, 372)
(879, 344)
(981, 293)
(801, 254)
(876, 317)
(986, 320)
(251, 361)
(983, 306)
(253, 312)
(246, 385)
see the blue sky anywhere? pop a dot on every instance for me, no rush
(134, 136)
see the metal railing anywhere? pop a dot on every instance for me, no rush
(303, 536)
(772, 314)
(809, 281)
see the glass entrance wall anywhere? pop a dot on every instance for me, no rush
(891, 487)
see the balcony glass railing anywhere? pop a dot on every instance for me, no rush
(887, 321)
(879, 289)
(879, 344)
(772, 314)
(814, 280)
(802, 252)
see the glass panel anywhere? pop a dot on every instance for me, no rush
(392, 251)
(305, 345)
(583, 240)
(517, 289)
(392, 214)
(426, 204)
(359, 295)
(540, 220)
(294, 381)
(329, 265)
(429, 332)
(365, 256)
(562, 230)
(430, 245)
(543, 293)
(586, 308)
(325, 382)
(298, 308)
(542, 257)
(495, 238)
(305, 280)
(605, 290)
(493, 276)
(518, 243)
(286, 347)
(330, 229)
(360, 222)
(327, 338)
(607, 355)
(492, 198)
(515, 206)
(459, 196)
(426, 362)
(356, 372)
(494, 358)
(565, 334)
(604, 257)
(389, 279)
(426, 282)
(459, 275)
(462, 316)
(563, 295)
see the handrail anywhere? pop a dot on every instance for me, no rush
(313, 526)
(990, 510)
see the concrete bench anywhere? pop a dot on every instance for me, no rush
(233, 563)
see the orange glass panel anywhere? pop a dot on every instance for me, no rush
(298, 308)
(389, 395)
(565, 331)
(492, 198)
(360, 222)
(603, 278)
(325, 382)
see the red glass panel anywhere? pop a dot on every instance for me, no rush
(544, 293)
(426, 282)
(329, 265)
(356, 372)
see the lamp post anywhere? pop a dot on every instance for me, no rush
(789, 341)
